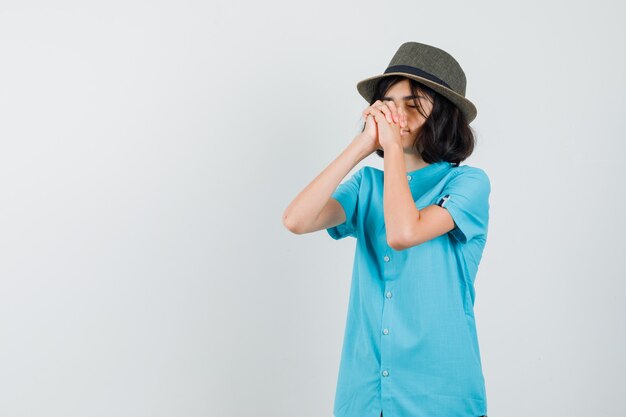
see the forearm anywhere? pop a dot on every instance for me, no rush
(304, 210)
(398, 204)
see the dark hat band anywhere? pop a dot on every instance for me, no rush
(418, 72)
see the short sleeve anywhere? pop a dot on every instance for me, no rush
(466, 197)
(347, 194)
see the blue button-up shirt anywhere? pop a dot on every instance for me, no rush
(410, 346)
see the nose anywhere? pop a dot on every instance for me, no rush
(402, 113)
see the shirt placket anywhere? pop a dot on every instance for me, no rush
(386, 330)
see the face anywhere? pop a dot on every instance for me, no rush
(398, 93)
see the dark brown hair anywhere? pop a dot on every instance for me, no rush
(445, 135)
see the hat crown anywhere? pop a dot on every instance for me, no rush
(429, 65)
(432, 60)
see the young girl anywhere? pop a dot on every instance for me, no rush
(410, 346)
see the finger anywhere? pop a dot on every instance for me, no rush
(386, 111)
(394, 111)
(402, 117)
(379, 105)
(379, 116)
(369, 107)
(389, 108)
(367, 110)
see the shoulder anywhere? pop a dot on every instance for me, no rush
(354, 178)
(468, 182)
(368, 170)
(368, 174)
(470, 173)
(364, 170)
(471, 170)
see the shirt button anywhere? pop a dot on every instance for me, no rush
(385, 331)
(385, 373)
(386, 258)
(408, 177)
(388, 295)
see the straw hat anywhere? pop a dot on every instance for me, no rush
(431, 66)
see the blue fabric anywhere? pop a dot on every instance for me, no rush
(410, 345)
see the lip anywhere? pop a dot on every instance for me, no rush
(403, 132)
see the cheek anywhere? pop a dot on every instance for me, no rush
(417, 121)
(414, 118)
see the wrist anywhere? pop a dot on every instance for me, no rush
(360, 146)
(393, 147)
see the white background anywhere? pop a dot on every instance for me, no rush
(148, 150)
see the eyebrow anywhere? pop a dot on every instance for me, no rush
(405, 98)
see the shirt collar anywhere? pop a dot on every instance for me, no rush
(429, 170)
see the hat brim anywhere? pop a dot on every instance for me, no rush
(367, 89)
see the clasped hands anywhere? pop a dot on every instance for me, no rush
(388, 120)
